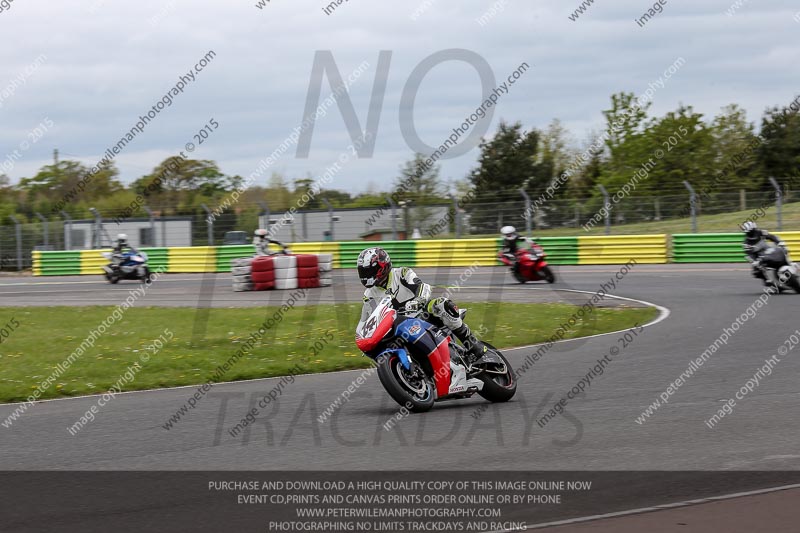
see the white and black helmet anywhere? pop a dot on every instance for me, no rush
(509, 233)
(374, 266)
(750, 228)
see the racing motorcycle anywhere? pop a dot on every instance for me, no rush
(530, 265)
(126, 265)
(775, 267)
(419, 363)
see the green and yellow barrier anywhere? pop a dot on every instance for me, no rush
(582, 250)
(59, 263)
(456, 252)
(619, 249)
(401, 252)
(721, 247)
(560, 250)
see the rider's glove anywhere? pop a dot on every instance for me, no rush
(412, 306)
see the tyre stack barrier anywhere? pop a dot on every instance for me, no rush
(263, 273)
(241, 270)
(325, 263)
(307, 271)
(285, 267)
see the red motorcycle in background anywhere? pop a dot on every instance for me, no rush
(530, 265)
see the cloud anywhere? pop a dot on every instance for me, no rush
(107, 67)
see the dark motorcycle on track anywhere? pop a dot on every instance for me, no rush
(776, 268)
(530, 265)
(419, 363)
(126, 265)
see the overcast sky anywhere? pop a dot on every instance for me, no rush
(103, 63)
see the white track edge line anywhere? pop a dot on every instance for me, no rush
(666, 506)
(663, 314)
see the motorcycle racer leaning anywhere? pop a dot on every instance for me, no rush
(409, 291)
(753, 238)
(511, 242)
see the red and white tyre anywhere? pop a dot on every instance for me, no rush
(286, 284)
(263, 277)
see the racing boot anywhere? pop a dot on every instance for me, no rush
(448, 313)
(475, 348)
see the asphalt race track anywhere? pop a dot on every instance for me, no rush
(598, 431)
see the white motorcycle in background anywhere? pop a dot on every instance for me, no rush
(126, 265)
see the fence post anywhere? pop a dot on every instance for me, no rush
(18, 234)
(528, 213)
(330, 215)
(742, 200)
(98, 225)
(45, 228)
(607, 204)
(778, 201)
(692, 204)
(394, 217)
(264, 216)
(209, 224)
(67, 230)
(456, 216)
(658, 208)
(152, 224)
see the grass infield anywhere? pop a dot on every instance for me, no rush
(319, 338)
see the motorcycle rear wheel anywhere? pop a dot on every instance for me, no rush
(414, 392)
(112, 278)
(498, 387)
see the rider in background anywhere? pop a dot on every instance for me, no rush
(754, 242)
(262, 242)
(122, 244)
(411, 293)
(511, 242)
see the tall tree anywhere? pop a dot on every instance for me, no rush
(780, 151)
(419, 185)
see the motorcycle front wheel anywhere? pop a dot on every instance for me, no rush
(498, 387)
(411, 389)
(548, 275)
(794, 283)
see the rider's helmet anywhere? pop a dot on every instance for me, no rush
(261, 233)
(509, 233)
(374, 266)
(750, 229)
(122, 239)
